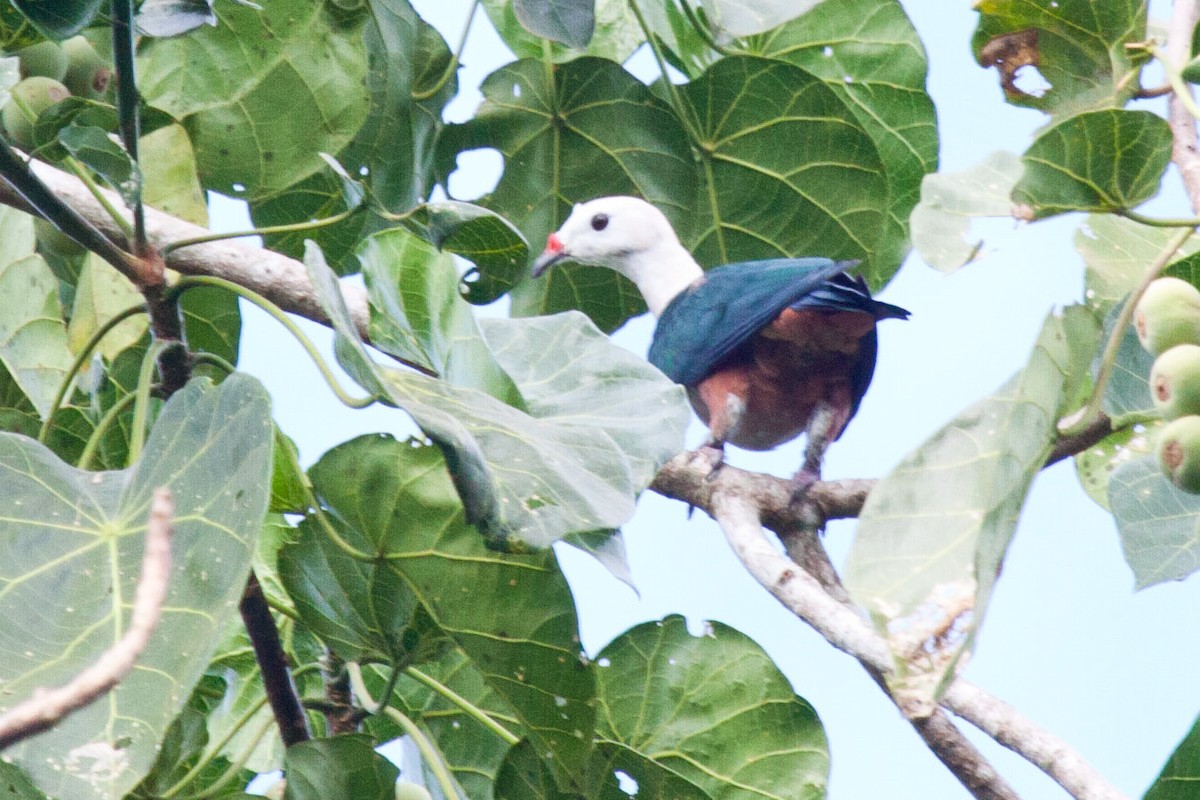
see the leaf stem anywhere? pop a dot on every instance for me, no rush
(85, 177)
(1154, 222)
(332, 532)
(701, 28)
(82, 358)
(470, 709)
(294, 227)
(1086, 415)
(93, 442)
(212, 359)
(141, 407)
(429, 753)
(681, 110)
(454, 59)
(1173, 74)
(215, 749)
(192, 281)
(128, 110)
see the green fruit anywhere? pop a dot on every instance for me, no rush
(1179, 453)
(55, 241)
(46, 59)
(1168, 314)
(88, 74)
(30, 97)
(1175, 381)
(411, 791)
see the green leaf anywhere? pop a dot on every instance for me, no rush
(1096, 161)
(713, 709)
(1179, 775)
(941, 222)
(59, 19)
(92, 147)
(1077, 46)
(1159, 524)
(497, 250)
(1095, 466)
(418, 315)
(100, 295)
(512, 615)
(72, 543)
(257, 98)
(344, 766)
(1117, 253)
(472, 752)
(774, 135)
(33, 337)
(732, 18)
(16, 785)
(10, 74)
(597, 424)
(408, 84)
(555, 129)
(289, 484)
(212, 321)
(615, 34)
(16, 31)
(954, 505)
(169, 179)
(570, 22)
(1128, 390)
(869, 54)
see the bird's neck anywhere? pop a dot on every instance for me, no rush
(662, 273)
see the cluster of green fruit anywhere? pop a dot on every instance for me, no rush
(51, 72)
(1167, 321)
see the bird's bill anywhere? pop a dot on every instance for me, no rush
(546, 260)
(553, 254)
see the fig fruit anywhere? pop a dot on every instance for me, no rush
(406, 790)
(88, 74)
(46, 59)
(1175, 381)
(1179, 452)
(30, 97)
(1168, 314)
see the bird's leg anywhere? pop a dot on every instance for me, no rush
(721, 425)
(716, 448)
(824, 424)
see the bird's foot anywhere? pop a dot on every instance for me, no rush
(802, 481)
(714, 452)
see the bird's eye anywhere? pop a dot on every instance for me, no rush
(599, 222)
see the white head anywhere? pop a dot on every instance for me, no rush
(628, 235)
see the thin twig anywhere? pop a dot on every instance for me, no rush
(47, 707)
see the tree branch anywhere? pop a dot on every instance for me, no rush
(47, 707)
(1184, 15)
(844, 628)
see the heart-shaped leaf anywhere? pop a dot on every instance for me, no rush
(931, 593)
(555, 129)
(656, 688)
(251, 90)
(72, 543)
(868, 52)
(772, 134)
(1096, 161)
(511, 615)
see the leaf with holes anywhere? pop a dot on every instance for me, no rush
(1159, 524)
(869, 54)
(1098, 161)
(555, 130)
(954, 503)
(708, 708)
(72, 544)
(941, 222)
(1077, 47)
(511, 615)
(257, 98)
